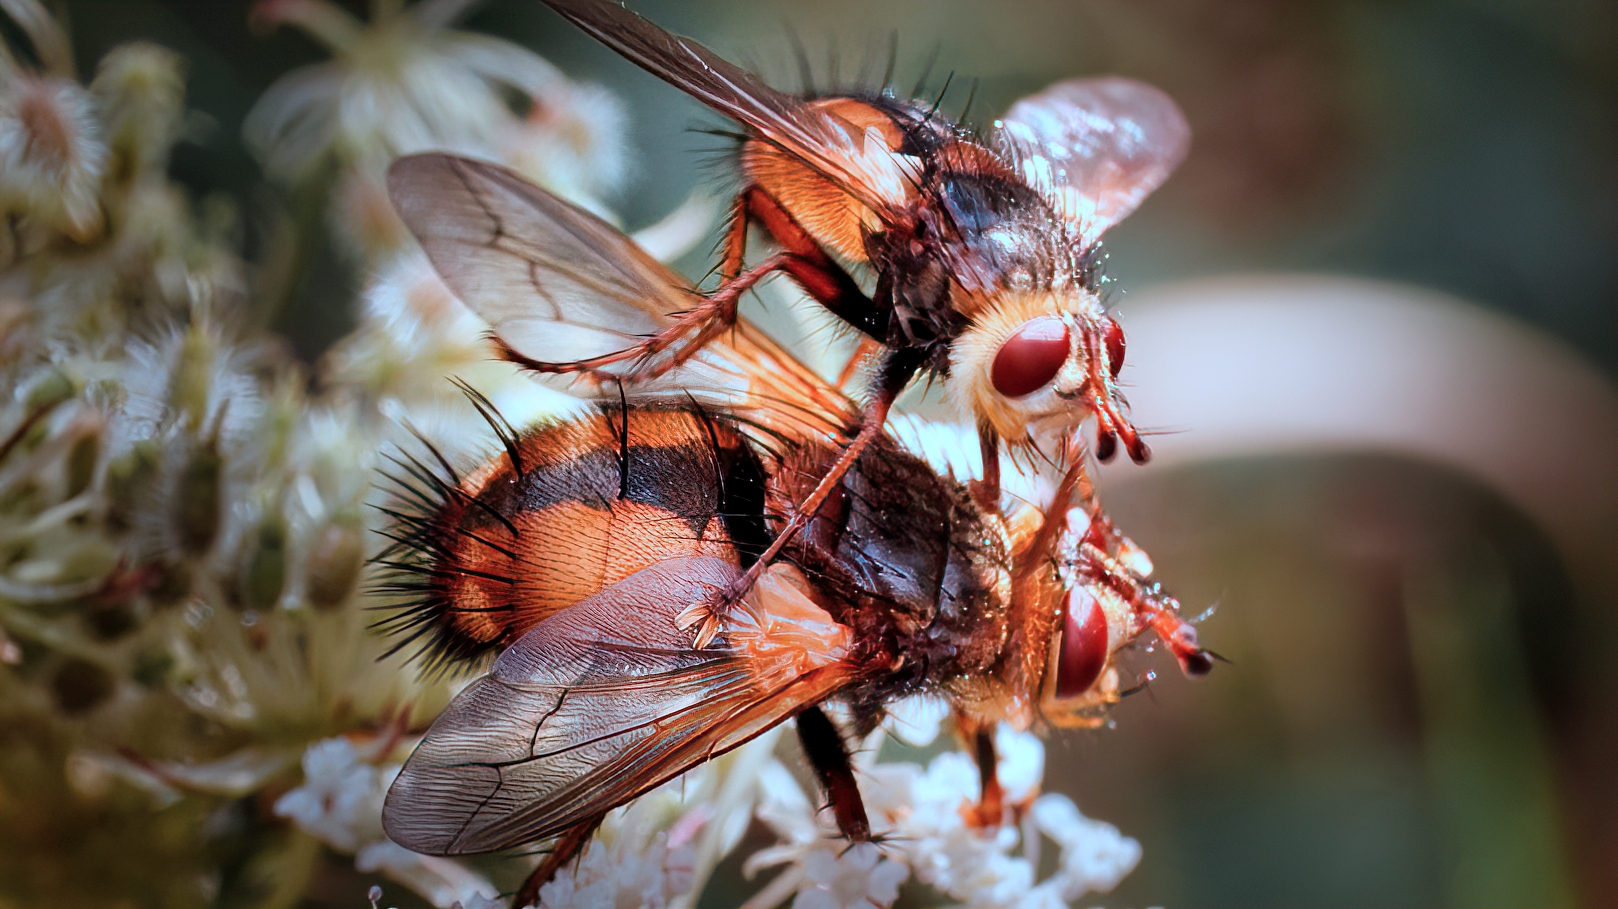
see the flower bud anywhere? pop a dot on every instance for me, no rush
(55, 387)
(193, 373)
(264, 576)
(153, 666)
(141, 88)
(334, 563)
(198, 506)
(129, 478)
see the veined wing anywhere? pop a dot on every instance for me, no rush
(607, 700)
(558, 285)
(867, 170)
(1096, 147)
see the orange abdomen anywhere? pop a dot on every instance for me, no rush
(591, 501)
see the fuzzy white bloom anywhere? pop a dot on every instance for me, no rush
(398, 84)
(920, 817)
(916, 720)
(414, 334)
(1095, 855)
(443, 882)
(340, 801)
(824, 871)
(52, 156)
(571, 142)
(644, 856)
(405, 83)
(840, 876)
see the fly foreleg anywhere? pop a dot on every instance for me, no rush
(568, 846)
(827, 753)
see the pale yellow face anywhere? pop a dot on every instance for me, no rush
(1035, 364)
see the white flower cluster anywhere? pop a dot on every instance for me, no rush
(630, 863)
(920, 817)
(657, 852)
(340, 803)
(404, 82)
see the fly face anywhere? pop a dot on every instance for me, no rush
(1037, 364)
(1108, 600)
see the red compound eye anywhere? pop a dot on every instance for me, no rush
(1084, 645)
(1031, 358)
(1115, 347)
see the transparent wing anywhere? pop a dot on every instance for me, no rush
(558, 285)
(1096, 147)
(597, 705)
(833, 147)
(550, 286)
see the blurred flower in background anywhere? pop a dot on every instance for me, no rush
(1404, 505)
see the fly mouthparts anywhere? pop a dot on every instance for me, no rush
(1107, 447)
(1196, 663)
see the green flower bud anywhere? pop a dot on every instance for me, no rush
(152, 667)
(57, 386)
(265, 574)
(93, 560)
(199, 505)
(141, 88)
(193, 372)
(130, 477)
(334, 563)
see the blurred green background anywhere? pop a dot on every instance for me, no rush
(1419, 708)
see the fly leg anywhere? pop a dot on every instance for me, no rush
(986, 492)
(828, 756)
(710, 318)
(894, 373)
(990, 810)
(799, 257)
(813, 270)
(569, 846)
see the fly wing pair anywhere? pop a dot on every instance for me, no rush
(608, 697)
(557, 284)
(594, 706)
